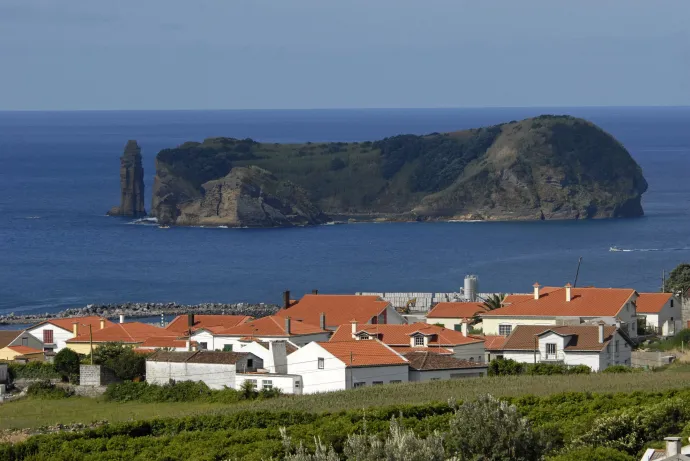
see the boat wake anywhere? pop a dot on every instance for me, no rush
(629, 250)
(145, 222)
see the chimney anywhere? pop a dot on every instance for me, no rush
(322, 321)
(287, 325)
(102, 323)
(463, 329)
(672, 446)
(568, 292)
(536, 290)
(315, 292)
(278, 352)
(122, 318)
(190, 321)
(188, 345)
(354, 327)
(601, 332)
(286, 299)
(75, 329)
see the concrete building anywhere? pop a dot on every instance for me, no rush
(565, 306)
(597, 346)
(428, 366)
(453, 315)
(54, 333)
(331, 311)
(660, 313)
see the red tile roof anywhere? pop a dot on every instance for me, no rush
(7, 336)
(583, 337)
(268, 326)
(651, 303)
(585, 302)
(455, 310)
(130, 333)
(179, 323)
(492, 342)
(84, 322)
(519, 297)
(339, 309)
(425, 361)
(164, 342)
(364, 353)
(25, 350)
(402, 350)
(399, 335)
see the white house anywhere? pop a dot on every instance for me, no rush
(597, 346)
(273, 353)
(452, 315)
(331, 311)
(673, 452)
(660, 312)
(417, 337)
(216, 369)
(564, 306)
(266, 329)
(428, 366)
(335, 366)
(54, 333)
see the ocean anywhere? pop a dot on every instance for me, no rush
(59, 176)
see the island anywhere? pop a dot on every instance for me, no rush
(543, 168)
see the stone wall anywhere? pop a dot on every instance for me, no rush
(96, 375)
(685, 311)
(89, 391)
(650, 359)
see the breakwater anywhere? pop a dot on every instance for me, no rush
(138, 310)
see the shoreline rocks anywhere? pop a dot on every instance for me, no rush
(131, 183)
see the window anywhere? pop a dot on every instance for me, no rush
(608, 348)
(504, 330)
(321, 363)
(297, 384)
(266, 384)
(471, 359)
(364, 336)
(359, 384)
(419, 340)
(250, 363)
(377, 383)
(550, 348)
(227, 348)
(203, 346)
(252, 382)
(25, 341)
(395, 381)
(671, 303)
(48, 336)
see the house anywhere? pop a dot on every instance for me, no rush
(181, 324)
(21, 354)
(564, 306)
(216, 369)
(269, 328)
(54, 333)
(270, 352)
(274, 374)
(331, 311)
(334, 366)
(19, 338)
(660, 313)
(673, 451)
(169, 343)
(597, 346)
(416, 337)
(130, 333)
(493, 346)
(428, 366)
(453, 314)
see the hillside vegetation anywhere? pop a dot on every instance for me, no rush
(549, 167)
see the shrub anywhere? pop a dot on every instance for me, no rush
(33, 370)
(121, 360)
(337, 164)
(504, 367)
(47, 390)
(621, 369)
(182, 391)
(67, 364)
(593, 454)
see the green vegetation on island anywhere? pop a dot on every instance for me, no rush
(548, 167)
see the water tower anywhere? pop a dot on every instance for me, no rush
(471, 288)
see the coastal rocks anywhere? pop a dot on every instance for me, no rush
(131, 183)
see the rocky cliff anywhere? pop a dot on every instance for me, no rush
(131, 183)
(548, 167)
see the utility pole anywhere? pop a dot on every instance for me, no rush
(91, 342)
(577, 274)
(352, 384)
(663, 281)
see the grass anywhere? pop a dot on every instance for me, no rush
(33, 413)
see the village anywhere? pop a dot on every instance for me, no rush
(324, 342)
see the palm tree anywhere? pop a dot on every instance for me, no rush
(491, 303)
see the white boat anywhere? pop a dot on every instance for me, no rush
(164, 227)
(615, 249)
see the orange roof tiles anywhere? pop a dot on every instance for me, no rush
(425, 361)
(179, 323)
(455, 310)
(363, 353)
(585, 302)
(652, 303)
(7, 336)
(339, 309)
(268, 326)
(25, 350)
(402, 350)
(165, 342)
(583, 337)
(399, 335)
(131, 332)
(68, 323)
(492, 342)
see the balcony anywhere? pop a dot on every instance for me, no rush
(558, 357)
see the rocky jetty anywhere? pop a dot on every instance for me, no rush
(134, 310)
(131, 183)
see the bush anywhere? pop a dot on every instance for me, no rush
(504, 367)
(337, 164)
(182, 391)
(47, 390)
(593, 454)
(121, 360)
(67, 364)
(33, 370)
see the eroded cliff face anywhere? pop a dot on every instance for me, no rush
(246, 197)
(131, 183)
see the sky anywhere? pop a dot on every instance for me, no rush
(295, 54)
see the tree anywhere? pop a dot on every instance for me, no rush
(121, 360)
(67, 364)
(494, 301)
(678, 281)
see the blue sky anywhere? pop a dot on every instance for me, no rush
(275, 54)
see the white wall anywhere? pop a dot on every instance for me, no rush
(433, 375)
(520, 356)
(288, 384)
(473, 351)
(59, 335)
(490, 324)
(304, 362)
(219, 342)
(216, 376)
(663, 318)
(369, 375)
(393, 317)
(446, 322)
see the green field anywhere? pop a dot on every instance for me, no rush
(32, 413)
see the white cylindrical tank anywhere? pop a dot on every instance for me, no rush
(471, 287)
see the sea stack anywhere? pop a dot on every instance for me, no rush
(131, 183)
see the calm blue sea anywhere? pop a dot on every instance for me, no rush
(59, 175)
